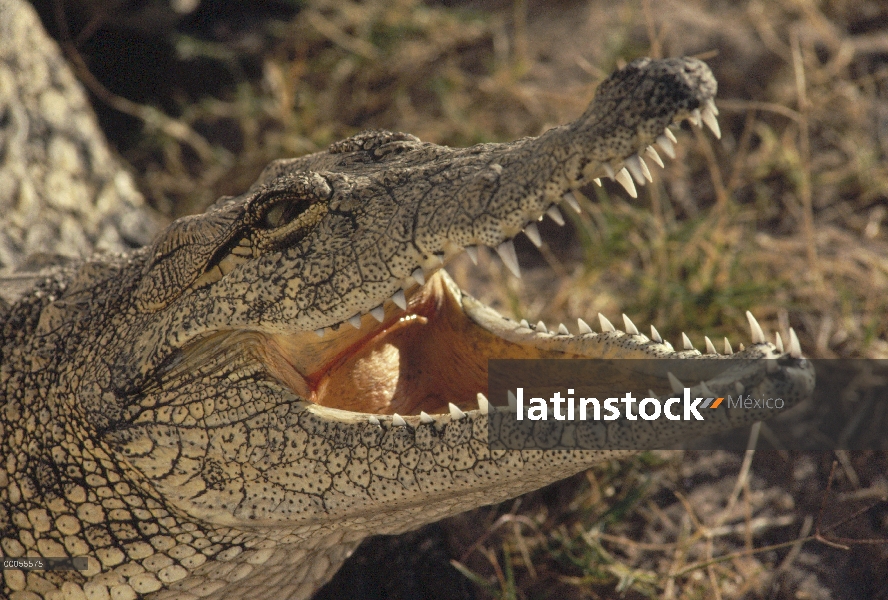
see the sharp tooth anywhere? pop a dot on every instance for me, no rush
(355, 321)
(739, 388)
(668, 133)
(638, 167)
(555, 214)
(562, 330)
(668, 345)
(677, 386)
(584, 327)
(728, 349)
(483, 404)
(652, 154)
(709, 118)
(472, 251)
(455, 413)
(710, 104)
(758, 336)
(705, 389)
(533, 234)
(686, 342)
(506, 252)
(513, 401)
(655, 335)
(795, 349)
(399, 299)
(625, 180)
(425, 418)
(418, 275)
(694, 117)
(710, 347)
(631, 329)
(524, 323)
(398, 420)
(609, 170)
(320, 332)
(778, 341)
(742, 347)
(373, 420)
(378, 313)
(572, 202)
(606, 326)
(666, 146)
(598, 181)
(541, 327)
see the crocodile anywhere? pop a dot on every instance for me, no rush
(228, 411)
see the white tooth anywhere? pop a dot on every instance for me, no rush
(655, 335)
(758, 336)
(742, 347)
(739, 388)
(633, 163)
(710, 347)
(378, 313)
(609, 170)
(652, 154)
(562, 330)
(606, 326)
(778, 341)
(677, 386)
(398, 420)
(524, 323)
(631, 329)
(513, 402)
(669, 346)
(400, 300)
(728, 349)
(795, 349)
(355, 321)
(541, 327)
(555, 214)
(625, 180)
(472, 251)
(686, 342)
(711, 122)
(455, 413)
(710, 104)
(533, 234)
(705, 389)
(598, 181)
(439, 256)
(373, 420)
(668, 133)
(666, 146)
(483, 404)
(694, 117)
(320, 332)
(425, 418)
(584, 327)
(572, 202)
(506, 252)
(418, 275)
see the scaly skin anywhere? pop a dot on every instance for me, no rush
(174, 415)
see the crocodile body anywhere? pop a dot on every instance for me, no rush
(228, 411)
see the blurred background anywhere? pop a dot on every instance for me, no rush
(785, 216)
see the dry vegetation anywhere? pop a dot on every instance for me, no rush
(786, 216)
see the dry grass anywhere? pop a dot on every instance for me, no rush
(786, 216)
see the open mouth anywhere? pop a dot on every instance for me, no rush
(425, 351)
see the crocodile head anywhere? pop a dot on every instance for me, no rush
(293, 370)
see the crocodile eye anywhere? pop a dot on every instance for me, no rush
(283, 212)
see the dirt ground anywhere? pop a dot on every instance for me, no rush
(786, 216)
